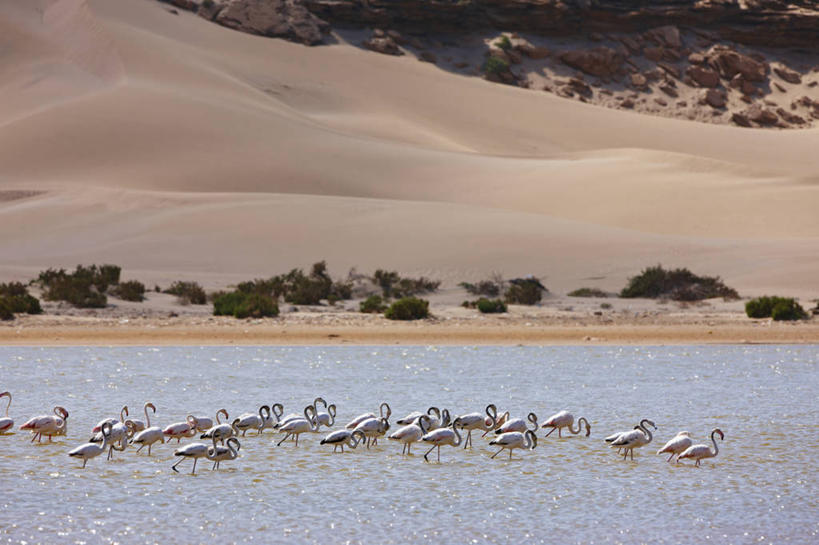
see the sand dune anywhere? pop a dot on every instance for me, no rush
(180, 148)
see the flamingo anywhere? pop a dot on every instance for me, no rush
(221, 432)
(118, 435)
(442, 436)
(295, 416)
(6, 423)
(47, 424)
(411, 433)
(366, 416)
(500, 421)
(276, 410)
(135, 425)
(178, 430)
(410, 418)
(699, 452)
(253, 421)
(615, 436)
(123, 413)
(373, 428)
(193, 450)
(676, 445)
(298, 426)
(203, 423)
(441, 419)
(87, 451)
(476, 421)
(344, 437)
(514, 439)
(518, 424)
(219, 453)
(565, 419)
(634, 439)
(148, 436)
(329, 418)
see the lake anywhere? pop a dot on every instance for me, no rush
(762, 488)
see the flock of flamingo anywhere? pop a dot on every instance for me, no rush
(434, 427)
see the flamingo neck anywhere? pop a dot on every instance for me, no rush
(714, 440)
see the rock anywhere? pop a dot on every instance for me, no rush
(746, 98)
(172, 11)
(696, 58)
(532, 51)
(740, 119)
(627, 103)
(670, 69)
(514, 56)
(653, 75)
(461, 65)
(397, 37)
(682, 103)
(596, 37)
(804, 101)
(601, 61)
(639, 81)
(715, 98)
(378, 33)
(748, 88)
(669, 90)
(383, 44)
(813, 84)
(661, 101)
(704, 77)
(189, 5)
(288, 19)
(730, 63)
(672, 55)
(428, 56)
(779, 87)
(653, 53)
(761, 115)
(668, 36)
(580, 87)
(788, 75)
(789, 117)
(631, 44)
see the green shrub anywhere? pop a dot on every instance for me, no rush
(605, 305)
(244, 305)
(189, 292)
(504, 42)
(495, 66)
(588, 292)
(13, 289)
(490, 288)
(524, 291)
(132, 290)
(373, 304)
(22, 304)
(5, 310)
(677, 284)
(393, 285)
(490, 306)
(84, 288)
(408, 308)
(778, 308)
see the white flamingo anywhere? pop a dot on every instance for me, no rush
(148, 436)
(219, 453)
(700, 452)
(47, 424)
(298, 426)
(499, 421)
(411, 433)
(565, 419)
(277, 410)
(6, 423)
(635, 438)
(373, 428)
(676, 445)
(442, 436)
(344, 437)
(123, 414)
(514, 439)
(135, 425)
(410, 418)
(87, 451)
(518, 424)
(221, 432)
(384, 407)
(327, 418)
(193, 450)
(201, 424)
(250, 421)
(615, 436)
(477, 421)
(178, 430)
(440, 419)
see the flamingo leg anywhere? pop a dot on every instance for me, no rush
(697, 464)
(409, 446)
(193, 472)
(632, 454)
(560, 432)
(430, 450)
(670, 457)
(550, 433)
(283, 440)
(176, 464)
(510, 454)
(439, 454)
(297, 439)
(493, 456)
(468, 439)
(84, 461)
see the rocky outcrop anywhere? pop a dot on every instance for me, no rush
(729, 63)
(704, 77)
(381, 42)
(603, 62)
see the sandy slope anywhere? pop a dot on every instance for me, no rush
(176, 147)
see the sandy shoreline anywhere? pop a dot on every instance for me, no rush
(190, 331)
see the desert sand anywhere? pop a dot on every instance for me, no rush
(180, 149)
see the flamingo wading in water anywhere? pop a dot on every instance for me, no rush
(47, 424)
(476, 421)
(442, 436)
(6, 423)
(635, 438)
(383, 408)
(344, 437)
(514, 439)
(89, 450)
(565, 419)
(411, 433)
(676, 445)
(148, 436)
(700, 452)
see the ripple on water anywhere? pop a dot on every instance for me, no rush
(569, 490)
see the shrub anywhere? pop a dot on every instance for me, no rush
(504, 42)
(244, 305)
(588, 292)
(490, 306)
(132, 290)
(495, 65)
(16, 299)
(84, 288)
(490, 288)
(373, 304)
(189, 292)
(605, 305)
(778, 308)
(5, 310)
(676, 284)
(524, 291)
(408, 308)
(13, 289)
(393, 285)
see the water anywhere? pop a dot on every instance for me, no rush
(760, 489)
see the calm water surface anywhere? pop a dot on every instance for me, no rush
(761, 489)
